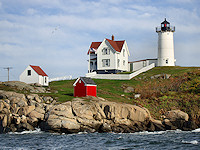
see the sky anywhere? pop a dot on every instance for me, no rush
(56, 34)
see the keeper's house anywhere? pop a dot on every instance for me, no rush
(84, 86)
(34, 74)
(108, 56)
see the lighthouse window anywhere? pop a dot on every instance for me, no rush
(166, 61)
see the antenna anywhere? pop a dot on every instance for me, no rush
(8, 68)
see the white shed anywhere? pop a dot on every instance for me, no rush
(34, 74)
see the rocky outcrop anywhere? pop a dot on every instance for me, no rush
(95, 115)
(21, 86)
(20, 112)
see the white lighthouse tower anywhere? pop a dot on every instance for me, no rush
(165, 44)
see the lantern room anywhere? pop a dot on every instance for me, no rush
(165, 27)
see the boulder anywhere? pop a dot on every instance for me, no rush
(174, 115)
(129, 89)
(26, 110)
(70, 125)
(35, 114)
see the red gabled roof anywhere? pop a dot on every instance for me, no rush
(38, 70)
(117, 45)
(94, 45)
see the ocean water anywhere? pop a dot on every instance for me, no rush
(181, 140)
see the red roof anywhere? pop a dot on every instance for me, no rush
(38, 70)
(117, 45)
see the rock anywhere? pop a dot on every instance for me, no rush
(26, 110)
(4, 121)
(105, 128)
(137, 96)
(33, 88)
(40, 110)
(35, 114)
(1, 105)
(70, 125)
(174, 115)
(157, 125)
(129, 89)
(168, 125)
(32, 121)
(161, 76)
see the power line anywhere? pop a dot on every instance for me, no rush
(8, 68)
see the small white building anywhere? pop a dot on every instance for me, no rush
(108, 57)
(34, 74)
(137, 65)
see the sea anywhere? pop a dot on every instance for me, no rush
(37, 139)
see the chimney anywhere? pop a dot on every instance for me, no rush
(113, 37)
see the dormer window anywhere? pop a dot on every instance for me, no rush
(106, 51)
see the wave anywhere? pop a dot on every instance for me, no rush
(190, 142)
(36, 131)
(196, 130)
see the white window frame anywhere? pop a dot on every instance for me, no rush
(105, 62)
(124, 62)
(105, 51)
(118, 62)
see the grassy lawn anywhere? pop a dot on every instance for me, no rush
(113, 89)
(180, 91)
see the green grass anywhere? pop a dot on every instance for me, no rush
(112, 89)
(185, 98)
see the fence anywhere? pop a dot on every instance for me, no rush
(120, 76)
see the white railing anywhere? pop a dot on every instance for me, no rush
(61, 78)
(120, 76)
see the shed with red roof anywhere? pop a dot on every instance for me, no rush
(34, 74)
(84, 86)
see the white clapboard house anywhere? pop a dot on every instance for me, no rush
(34, 74)
(108, 56)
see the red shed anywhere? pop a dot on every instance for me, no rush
(84, 86)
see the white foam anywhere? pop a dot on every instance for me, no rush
(36, 131)
(190, 142)
(196, 130)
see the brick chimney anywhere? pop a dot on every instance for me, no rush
(113, 38)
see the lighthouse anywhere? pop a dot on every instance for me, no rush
(165, 44)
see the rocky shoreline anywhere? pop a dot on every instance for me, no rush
(20, 112)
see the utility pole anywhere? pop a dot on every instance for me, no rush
(8, 68)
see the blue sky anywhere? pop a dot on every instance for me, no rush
(56, 34)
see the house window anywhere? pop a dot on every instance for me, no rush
(45, 79)
(29, 72)
(79, 81)
(106, 62)
(124, 52)
(166, 61)
(118, 62)
(124, 62)
(105, 51)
